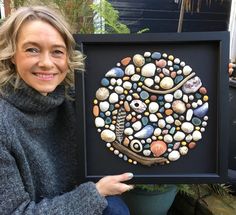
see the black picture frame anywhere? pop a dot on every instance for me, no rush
(208, 53)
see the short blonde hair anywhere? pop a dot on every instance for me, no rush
(8, 38)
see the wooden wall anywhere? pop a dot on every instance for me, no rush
(163, 15)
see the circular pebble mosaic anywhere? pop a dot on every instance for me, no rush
(151, 109)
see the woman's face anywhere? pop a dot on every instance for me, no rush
(41, 56)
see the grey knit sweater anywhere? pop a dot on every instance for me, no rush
(39, 157)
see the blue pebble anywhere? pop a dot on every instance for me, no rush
(108, 120)
(198, 95)
(105, 82)
(201, 111)
(144, 120)
(172, 130)
(176, 67)
(161, 110)
(122, 96)
(196, 121)
(156, 55)
(145, 132)
(142, 78)
(178, 79)
(127, 124)
(115, 72)
(147, 146)
(111, 108)
(165, 155)
(144, 95)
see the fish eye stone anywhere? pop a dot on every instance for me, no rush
(151, 108)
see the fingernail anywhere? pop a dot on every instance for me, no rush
(130, 175)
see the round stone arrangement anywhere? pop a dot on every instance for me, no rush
(151, 109)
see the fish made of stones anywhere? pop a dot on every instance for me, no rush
(151, 108)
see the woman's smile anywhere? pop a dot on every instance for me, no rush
(41, 57)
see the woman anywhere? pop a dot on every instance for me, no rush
(38, 151)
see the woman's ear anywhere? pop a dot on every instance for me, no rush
(13, 60)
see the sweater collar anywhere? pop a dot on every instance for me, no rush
(29, 100)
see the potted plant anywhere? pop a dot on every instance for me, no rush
(150, 199)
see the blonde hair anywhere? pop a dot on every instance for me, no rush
(8, 39)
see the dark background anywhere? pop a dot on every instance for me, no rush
(204, 57)
(163, 15)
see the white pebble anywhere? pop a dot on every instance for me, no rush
(161, 123)
(174, 155)
(128, 131)
(168, 97)
(157, 132)
(194, 105)
(119, 82)
(168, 138)
(99, 122)
(199, 102)
(197, 135)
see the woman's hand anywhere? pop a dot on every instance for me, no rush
(232, 66)
(112, 185)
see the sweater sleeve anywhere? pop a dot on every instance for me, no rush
(14, 199)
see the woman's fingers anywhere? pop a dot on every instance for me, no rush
(112, 185)
(123, 177)
(232, 67)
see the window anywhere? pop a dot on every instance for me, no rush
(2, 12)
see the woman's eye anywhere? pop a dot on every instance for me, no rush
(32, 50)
(58, 53)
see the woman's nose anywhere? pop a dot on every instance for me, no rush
(45, 61)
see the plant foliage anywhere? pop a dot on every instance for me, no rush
(80, 14)
(111, 18)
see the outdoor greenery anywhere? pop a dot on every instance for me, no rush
(196, 192)
(80, 14)
(110, 17)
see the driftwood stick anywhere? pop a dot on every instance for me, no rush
(170, 90)
(141, 159)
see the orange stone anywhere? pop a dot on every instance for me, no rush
(125, 61)
(168, 111)
(117, 105)
(126, 78)
(126, 141)
(126, 106)
(173, 74)
(95, 110)
(192, 145)
(203, 90)
(133, 119)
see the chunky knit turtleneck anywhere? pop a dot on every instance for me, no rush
(39, 168)
(29, 100)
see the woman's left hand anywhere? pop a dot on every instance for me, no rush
(113, 185)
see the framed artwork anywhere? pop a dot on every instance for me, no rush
(154, 105)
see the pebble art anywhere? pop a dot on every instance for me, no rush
(151, 108)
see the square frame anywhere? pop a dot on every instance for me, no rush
(208, 53)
